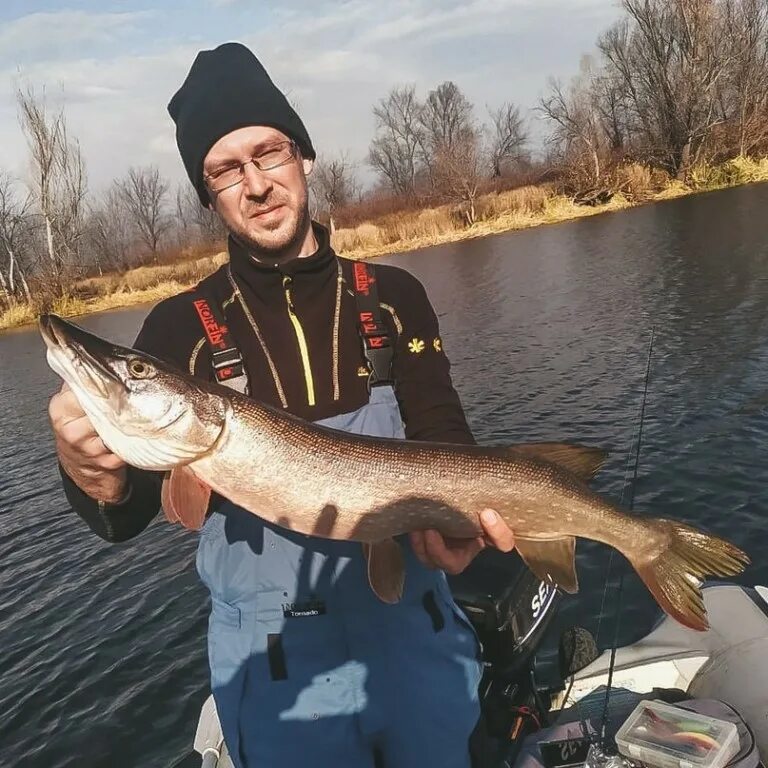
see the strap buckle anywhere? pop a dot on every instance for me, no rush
(229, 369)
(227, 362)
(379, 356)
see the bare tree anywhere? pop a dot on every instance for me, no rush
(109, 232)
(59, 179)
(44, 137)
(577, 132)
(194, 220)
(459, 171)
(446, 122)
(508, 137)
(335, 184)
(394, 151)
(144, 192)
(69, 224)
(745, 87)
(14, 225)
(184, 224)
(669, 57)
(609, 100)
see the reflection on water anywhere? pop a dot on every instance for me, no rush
(103, 646)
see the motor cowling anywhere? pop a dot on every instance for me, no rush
(508, 606)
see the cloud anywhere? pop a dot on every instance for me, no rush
(43, 34)
(116, 108)
(335, 59)
(341, 60)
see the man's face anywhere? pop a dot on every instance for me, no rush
(268, 210)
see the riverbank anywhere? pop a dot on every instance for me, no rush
(509, 211)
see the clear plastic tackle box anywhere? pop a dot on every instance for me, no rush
(664, 736)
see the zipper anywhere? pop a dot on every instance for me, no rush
(287, 280)
(259, 337)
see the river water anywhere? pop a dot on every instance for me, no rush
(103, 654)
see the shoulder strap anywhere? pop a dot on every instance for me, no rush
(377, 346)
(228, 365)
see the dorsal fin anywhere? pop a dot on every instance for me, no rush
(581, 460)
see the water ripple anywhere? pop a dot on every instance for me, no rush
(104, 659)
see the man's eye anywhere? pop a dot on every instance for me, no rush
(270, 155)
(219, 172)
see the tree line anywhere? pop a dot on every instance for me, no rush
(671, 85)
(53, 232)
(674, 83)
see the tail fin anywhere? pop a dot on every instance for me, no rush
(674, 576)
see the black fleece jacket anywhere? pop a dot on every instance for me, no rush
(326, 378)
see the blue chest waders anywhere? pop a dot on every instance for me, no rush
(308, 666)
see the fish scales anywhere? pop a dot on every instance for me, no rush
(322, 482)
(376, 488)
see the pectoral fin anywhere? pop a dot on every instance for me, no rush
(551, 560)
(581, 460)
(184, 498)
(386, 569)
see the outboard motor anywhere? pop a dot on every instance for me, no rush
(508, 606)
(510, 609)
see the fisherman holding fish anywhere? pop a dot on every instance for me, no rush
(308, 665)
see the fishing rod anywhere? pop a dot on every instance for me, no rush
(631, 505)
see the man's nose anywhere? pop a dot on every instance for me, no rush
(256, 182)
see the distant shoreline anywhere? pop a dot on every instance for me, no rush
(146, 285)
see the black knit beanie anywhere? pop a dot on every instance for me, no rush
(228, 88)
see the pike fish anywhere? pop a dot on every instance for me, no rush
(328, 483)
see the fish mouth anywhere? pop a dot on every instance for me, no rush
(80, 354)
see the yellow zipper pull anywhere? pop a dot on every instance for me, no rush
(301, 339)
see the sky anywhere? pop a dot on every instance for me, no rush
(116, 64)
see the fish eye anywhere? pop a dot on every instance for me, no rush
(140, 370)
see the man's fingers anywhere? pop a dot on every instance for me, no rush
(64, 407)
(91, 448)
(80, 434)
(451, 555)
(419, 547)
(78, 438)
(463, 553)
(111, 461)
(497, 532)
(82, 453)
(434, 543)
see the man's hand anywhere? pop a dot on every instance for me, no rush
(85, 458)
(454, 555)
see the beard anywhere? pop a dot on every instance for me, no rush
(277, 240)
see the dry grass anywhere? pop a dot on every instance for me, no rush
(148, 278)
(525, 200)
(19, 314)
(353, 239)
(400, 230)
(739, 170)
(496, 212)
(138, 286)
(635, 181)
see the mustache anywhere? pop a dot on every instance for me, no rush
(271, 201)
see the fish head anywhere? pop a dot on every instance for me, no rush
(149, 414)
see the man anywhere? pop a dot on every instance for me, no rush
(308, 666)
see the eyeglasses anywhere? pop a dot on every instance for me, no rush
(229, 175)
